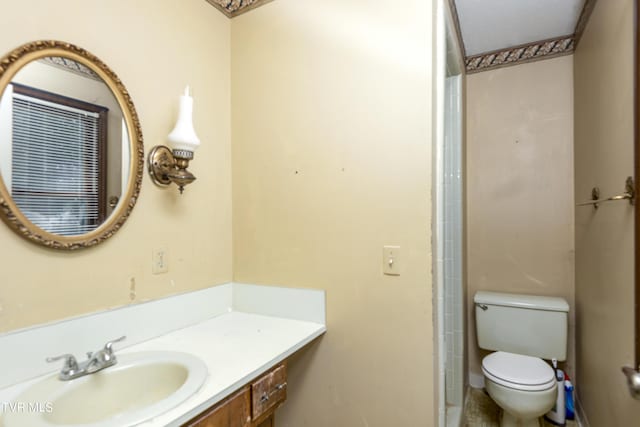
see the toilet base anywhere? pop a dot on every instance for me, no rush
(521, 408)
(508, 420)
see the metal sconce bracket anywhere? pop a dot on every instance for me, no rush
(166, 166)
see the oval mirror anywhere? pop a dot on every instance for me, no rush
(71, 150)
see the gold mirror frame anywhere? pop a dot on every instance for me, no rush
(13, 62)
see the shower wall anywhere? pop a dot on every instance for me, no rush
(452, 235)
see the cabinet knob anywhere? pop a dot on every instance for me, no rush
(265, 396)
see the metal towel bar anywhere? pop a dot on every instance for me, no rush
(629, 194)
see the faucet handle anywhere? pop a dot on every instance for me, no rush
(70, 362)
(109, 346)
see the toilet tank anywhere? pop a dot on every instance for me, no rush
(523, 324)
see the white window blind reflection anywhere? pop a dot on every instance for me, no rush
(55, 165)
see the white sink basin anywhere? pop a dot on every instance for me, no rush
(141, 386)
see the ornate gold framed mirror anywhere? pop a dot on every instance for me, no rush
(71, 148)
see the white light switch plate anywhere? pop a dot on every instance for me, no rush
(391, 261)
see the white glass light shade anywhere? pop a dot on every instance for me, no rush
(183, 136)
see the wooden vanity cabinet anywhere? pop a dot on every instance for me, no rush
(267, 393)
(269, 422)
(253, 405)
(234, 411)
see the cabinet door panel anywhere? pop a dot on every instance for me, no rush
(269, 422)
(269, 391)
(233, 412)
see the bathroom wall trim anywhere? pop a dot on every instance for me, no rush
(234, 8)
(528, 52)
(71, 66)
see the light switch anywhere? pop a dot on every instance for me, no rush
(391, 260)
(160, 261)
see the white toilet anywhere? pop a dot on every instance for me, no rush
(522, 330)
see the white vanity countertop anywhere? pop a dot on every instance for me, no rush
(236, 347)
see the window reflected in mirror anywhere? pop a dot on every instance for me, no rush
(57, 173)
(64, 146)
(71, 149)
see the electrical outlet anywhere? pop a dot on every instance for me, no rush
(391, 260)
(160, 261)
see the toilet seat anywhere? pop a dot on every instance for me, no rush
(519, 372)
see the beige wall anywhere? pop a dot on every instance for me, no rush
(520, 185)
(156, 48)
(331, 161)
(604, 238)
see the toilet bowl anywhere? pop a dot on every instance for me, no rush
(521, 330)
(523, 386)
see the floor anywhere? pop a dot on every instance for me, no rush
(481, 411)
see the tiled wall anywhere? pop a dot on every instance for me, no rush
(452, 228)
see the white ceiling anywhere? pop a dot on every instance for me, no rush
(488, 25)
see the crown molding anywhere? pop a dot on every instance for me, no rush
(529, 52)
(71, 66)
(233, 8)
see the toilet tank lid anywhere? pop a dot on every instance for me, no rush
(532, 302)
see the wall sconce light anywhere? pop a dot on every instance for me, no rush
(167, 165)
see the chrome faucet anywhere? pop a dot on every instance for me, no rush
(96, 361)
